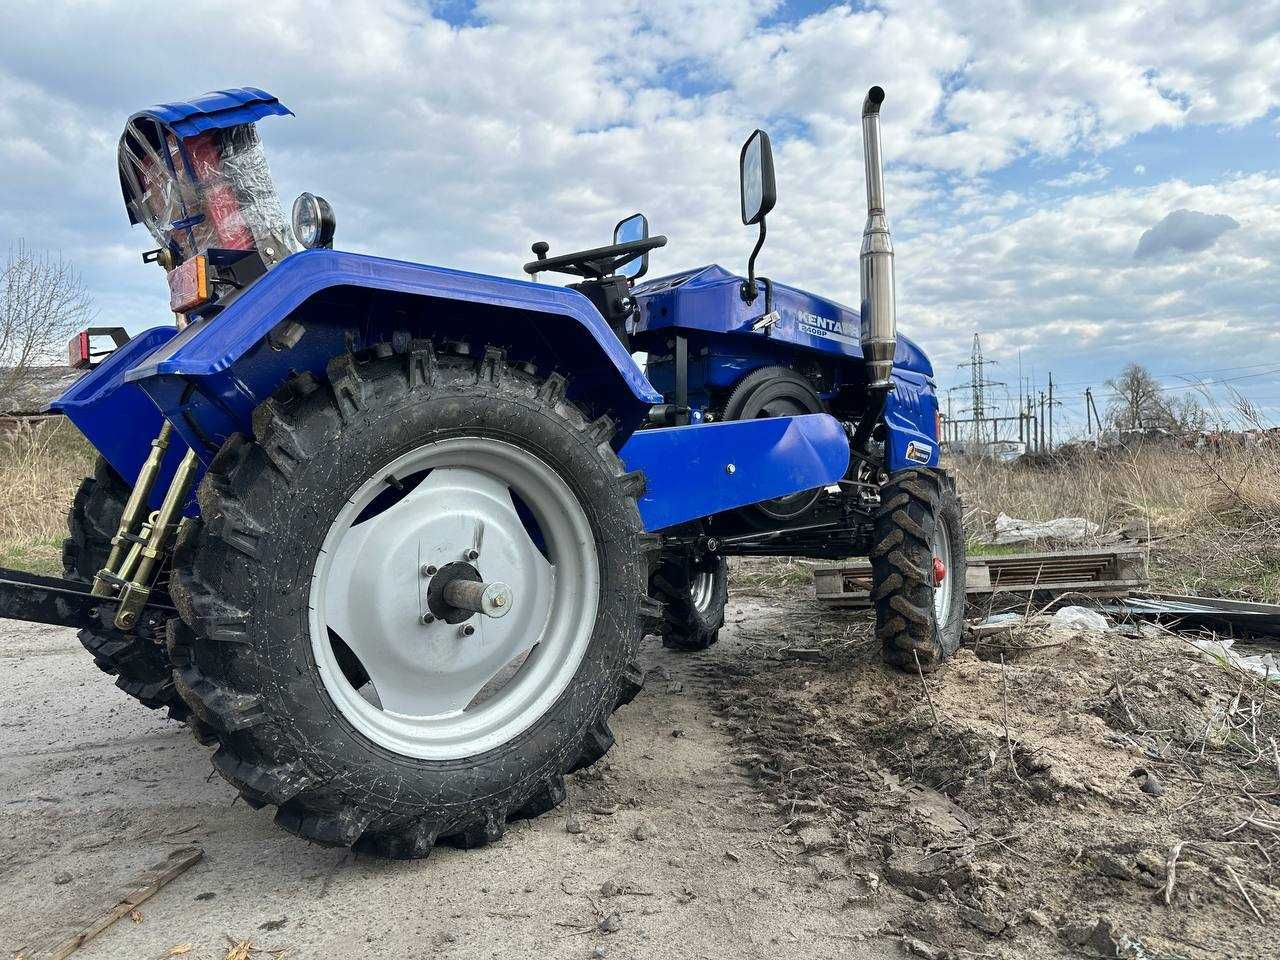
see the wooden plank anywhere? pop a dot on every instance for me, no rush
(1098, 572)
(60, 943)
(1092, 587)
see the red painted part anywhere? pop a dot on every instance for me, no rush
(939, 571)
(221, 205)
(78, 350)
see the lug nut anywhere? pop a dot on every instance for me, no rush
(467, 630)
(428, 570)
(473, 554)
(428, 618)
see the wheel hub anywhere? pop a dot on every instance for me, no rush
(456, 592)
(942, 584)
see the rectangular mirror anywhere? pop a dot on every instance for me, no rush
(759, 191)
(634, 227)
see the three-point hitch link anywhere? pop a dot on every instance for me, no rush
(135, 556)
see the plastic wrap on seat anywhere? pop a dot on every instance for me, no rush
(210, 190)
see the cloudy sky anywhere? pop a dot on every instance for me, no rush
(1083, 183)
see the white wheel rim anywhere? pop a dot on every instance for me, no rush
(370, 587)
(941, 591)
(701, 589)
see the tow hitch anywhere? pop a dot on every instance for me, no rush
(70, 603)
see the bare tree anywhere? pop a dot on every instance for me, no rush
(42, 303)
(1140, 403)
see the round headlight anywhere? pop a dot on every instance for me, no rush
(313, 221)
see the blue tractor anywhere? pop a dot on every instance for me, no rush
(390, 535)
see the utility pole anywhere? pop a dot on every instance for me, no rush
(1040, 444)
(1092, 408)
(1050, 411)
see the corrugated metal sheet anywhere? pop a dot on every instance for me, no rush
(212, 111)
(1207, 613)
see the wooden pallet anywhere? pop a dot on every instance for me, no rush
(1109, 572)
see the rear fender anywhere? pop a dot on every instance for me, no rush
(209, 378)
(117, 417)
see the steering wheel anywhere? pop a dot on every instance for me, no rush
(592, 264)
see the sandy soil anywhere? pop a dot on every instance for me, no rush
(93, 788)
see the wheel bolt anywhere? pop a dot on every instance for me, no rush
(466, 630)
(473, 555)
(428, 618)
(428, 570)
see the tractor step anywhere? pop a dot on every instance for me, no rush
(68, 603)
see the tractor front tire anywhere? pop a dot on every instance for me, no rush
(693, 594)
(138, 661)
(338, 743)
(918, 570)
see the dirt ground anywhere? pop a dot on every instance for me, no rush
(804, 802)
(96, 787)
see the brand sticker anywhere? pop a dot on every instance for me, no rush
(918, 452)
(824, 327)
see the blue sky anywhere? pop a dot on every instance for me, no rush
(1030, 146)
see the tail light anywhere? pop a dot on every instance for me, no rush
(189, 285)
(80, 352)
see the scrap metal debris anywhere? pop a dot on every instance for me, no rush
(1235, 617)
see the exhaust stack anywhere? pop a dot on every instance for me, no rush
(879, 334)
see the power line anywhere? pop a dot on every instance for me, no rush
(1185, 373)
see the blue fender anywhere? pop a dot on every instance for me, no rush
(910, 420)
(118, 418)
(209, 378)
(692, 472)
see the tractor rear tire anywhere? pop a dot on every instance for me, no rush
(693, 595)
(919, 620)
(137, 660)
(289, 733)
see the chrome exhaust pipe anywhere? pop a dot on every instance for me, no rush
(879, 334)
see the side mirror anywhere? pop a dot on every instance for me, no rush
(759, 191)
(634, 227)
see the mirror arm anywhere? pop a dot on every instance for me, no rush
(749, 289)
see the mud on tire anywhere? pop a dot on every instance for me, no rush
(242, 649)
(137, 660)
(912, 505)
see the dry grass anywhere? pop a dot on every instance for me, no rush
(41, 466)
(1213, 516)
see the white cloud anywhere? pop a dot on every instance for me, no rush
(1089, 173)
